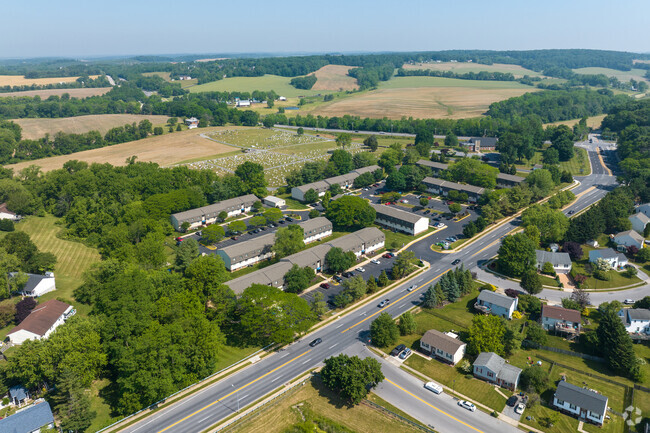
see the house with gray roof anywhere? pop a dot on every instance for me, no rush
(639, 221)
(509, 180)
(404, 221)
(18, 395)
(629, 238)
(644, 209)
(247, 253)
(209, 214)
(321, 186)
(492, 368)
(435, 167)
(367, 169)
(561, 261)
(36, 418)
(490, 302)
(614, 258)
(636, 320)
(316, 229)
(37, 284)
(583, 403)
(442, 187)
(443, 346)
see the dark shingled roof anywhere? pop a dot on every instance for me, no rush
(560, 313)
(442, 341)
(581, 397)
(42, 317)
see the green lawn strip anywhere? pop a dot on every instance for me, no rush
(248, 84)
(98, 405)
(294, 204)
(396, 240)
(548, 281)
(381, 402)
(564, 424)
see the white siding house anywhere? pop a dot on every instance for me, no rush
(561, 261)
(639, 220)
(41, 322)
(38, 285)
(585, 404)
(446, 347)
(615, 259)
(636, 320)
(629, 238)
(407, 222)
(274, 201)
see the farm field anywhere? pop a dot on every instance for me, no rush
(37, 128)
(164, 75)
(464, 67)
(46, 93)
(166, 149)
(335, 78)
(267, 82)
(424, 97)
(278, 151)
(19, 80)
(634, 74)
(592, 122)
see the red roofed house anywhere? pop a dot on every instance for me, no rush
(41, 322)
(560, 319)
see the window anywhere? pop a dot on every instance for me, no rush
(572, 406)
(559, 402)
(490, 374)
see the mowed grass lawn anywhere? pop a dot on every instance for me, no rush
(267, 82)
(577, 166)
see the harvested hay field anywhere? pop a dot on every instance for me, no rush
(19, 80)
(249, 84)
(634, 74)
(592, 122)
(37, 128)
(164, 149)
(451, 102)
(334, 77)
(463, 68)
(164, 75)
(46, 93)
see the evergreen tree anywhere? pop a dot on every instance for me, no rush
(616, 344)
(383, 279)
(407, 324)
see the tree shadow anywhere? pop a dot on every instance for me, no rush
(332, 397)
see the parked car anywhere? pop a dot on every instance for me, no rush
(179, 239)
(455, 262)
(234, 238)
(434, 387)
(325, 285)
(288, 219)
(338, 279)
(361, 269)
(413, 287)
(396, 351)
(375, 261)
(405, 353)
(316, 342)
(512, 401)
(348, 274)
(383, 303)
(628, 302)
(520, 408)
(467, 405)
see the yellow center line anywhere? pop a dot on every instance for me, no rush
(382, 309)
(483, 249)
(233, 392)
(429, 404)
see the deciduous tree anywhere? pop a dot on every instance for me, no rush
(383, 330)
(351, 377)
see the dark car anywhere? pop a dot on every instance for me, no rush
(288, 219)
(348, 274)
(455, 262)
(512, 401)
(337, 279)
(325, 285)
(570, 212)
(234, 238)
(316, 342)
(396, 351)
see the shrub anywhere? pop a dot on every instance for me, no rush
(547, 269)
(6, 225)
(487, 286)
(464, 367)
(602, 275)
(630, 272)
(512, 293)
(517, 315)
(534, 378)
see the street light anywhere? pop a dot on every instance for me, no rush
(237, 395)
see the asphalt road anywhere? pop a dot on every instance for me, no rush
(221, 399)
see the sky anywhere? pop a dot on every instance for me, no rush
(79, 29)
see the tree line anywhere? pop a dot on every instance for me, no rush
(480, 76)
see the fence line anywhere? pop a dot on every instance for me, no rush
(155, 405)
(571, 353)
(401, 418)
(613, 382)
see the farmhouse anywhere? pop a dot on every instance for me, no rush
(321, 186)
(41, 322)
(37, 285)
(639, 220)
(583, 403)
(442, 187)
(560, 319)
(407, 222)
(496, 304)
(272, 201)
(444, 346)
(36, 418)
(629, 238)
(243, 103)
(360, 242)
(192, 123)
(508, 180)
(491, 367)
(209, 214)
(561, 261)
(478, 144)
(6, 214)
(615, 259)
(636, 320)
(436, 167)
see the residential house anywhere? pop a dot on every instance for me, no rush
(561, 261)
(481, 144)
(436, 167)
(444, 346)
(192, 123)
(243, 103)
(41, 322)
(636, 320)
(509, 180)
(316, 229)
(393, 218)
(247, 253)
(272, 201)
(322, 186)
(614, 258)
(560, 319)
(491, 367)
(282, 98)
(583, 403)
(644, 209)
(490, 302)
(639, 221)
(18, 395)
(6, 214)
(442, 187)
(210, 214)
(32, 419)
(37, 285)
(629, 238)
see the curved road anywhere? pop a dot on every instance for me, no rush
(220, 400)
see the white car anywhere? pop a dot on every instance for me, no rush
(628, 302)
(413, 287)
(375, 261)
(405, 353)
(432, 386)
(520, 408)
(467, 405)
(360, 269)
